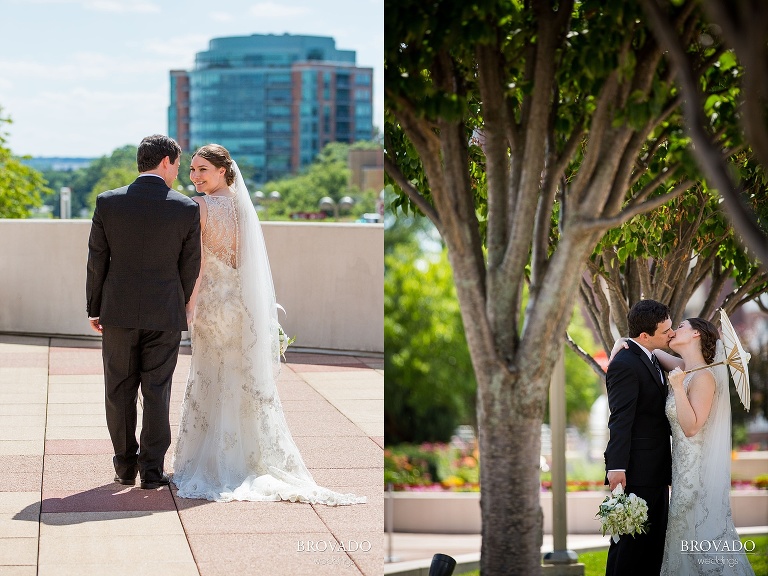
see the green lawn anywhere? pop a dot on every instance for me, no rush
(594, 562)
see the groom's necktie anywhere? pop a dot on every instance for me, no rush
(658, 367)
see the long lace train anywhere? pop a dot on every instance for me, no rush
(234, 442)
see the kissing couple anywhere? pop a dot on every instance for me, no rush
(651, 398)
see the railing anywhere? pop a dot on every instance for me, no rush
(328, 277)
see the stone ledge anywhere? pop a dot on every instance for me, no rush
(459, 512)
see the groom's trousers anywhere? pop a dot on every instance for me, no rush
(139, 359)
(642, 554)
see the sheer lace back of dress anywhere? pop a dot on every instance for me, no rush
(220, 235)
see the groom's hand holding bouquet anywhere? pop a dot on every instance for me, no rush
(622, 513)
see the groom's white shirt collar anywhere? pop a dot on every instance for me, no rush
(644, 349)
(148, 174)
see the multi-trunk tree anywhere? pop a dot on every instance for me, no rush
(526, 131)
(681, 248)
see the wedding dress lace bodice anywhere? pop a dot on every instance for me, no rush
(699, 510)
(234, 442)
(219, 236)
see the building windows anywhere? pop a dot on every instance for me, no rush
(273, 101)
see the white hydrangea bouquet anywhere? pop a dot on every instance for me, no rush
(284, 339)
(622, 513)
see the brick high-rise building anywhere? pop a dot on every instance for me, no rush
(273, 101)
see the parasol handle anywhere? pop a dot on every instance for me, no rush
(703, 367)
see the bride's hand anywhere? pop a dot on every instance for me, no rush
(676, 378)
(620, 343)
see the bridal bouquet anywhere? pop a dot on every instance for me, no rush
(285, 341)
(622, 513)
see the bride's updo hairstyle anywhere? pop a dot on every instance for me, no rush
(219, 157)
(708, 335)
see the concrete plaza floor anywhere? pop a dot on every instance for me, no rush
(61, 514)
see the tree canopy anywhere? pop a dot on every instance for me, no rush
(22, 188)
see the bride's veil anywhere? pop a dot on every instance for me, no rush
(716, 460)
(261, 338)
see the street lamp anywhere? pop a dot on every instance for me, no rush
(265, 200)
(65, 203)
(329, 204)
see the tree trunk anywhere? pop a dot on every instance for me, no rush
(510, 449)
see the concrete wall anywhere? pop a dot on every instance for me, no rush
(328, 277)
(459, 512)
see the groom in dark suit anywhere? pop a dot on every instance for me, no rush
(143, 261)
(638, 455)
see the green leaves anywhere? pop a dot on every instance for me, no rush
(21, 187)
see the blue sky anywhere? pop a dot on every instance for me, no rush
(83, 77)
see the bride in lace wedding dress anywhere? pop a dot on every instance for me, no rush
(234, 442)
(701, 538)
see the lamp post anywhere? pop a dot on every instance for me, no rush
(327, 203)
(265, 200)
(65, 203)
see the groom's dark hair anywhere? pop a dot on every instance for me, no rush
(153, 149)
(645, 316)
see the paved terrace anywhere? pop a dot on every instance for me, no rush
(61, 514)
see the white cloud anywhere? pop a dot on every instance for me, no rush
(222, 17)
(275, 10)
(82, 66)
(121, 7)
(115, 6)
(86, 122)
(176, 51)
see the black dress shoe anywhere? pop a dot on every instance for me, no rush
(164, 480)
(125, 481)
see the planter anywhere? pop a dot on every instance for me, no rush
(459, 512)
(748, 465)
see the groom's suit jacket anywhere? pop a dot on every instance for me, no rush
(143, 256)
(639, 439)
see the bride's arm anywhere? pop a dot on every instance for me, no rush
(618, 345)
(668, 361)
(692, 408)
(190, 307)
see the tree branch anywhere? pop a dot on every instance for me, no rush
(495, 148)
(584, 355)
(707, 155)
(628, 213)
(410, 190)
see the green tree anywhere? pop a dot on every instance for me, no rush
(741, 26)
(430, 387)
(522, 131)
(413, 255)
(21, 188)
(667, 256)
(327, 176)
(582, 385)
(108, 172)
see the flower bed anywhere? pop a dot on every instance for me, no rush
(439, 467)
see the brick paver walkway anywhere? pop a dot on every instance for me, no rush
(61, 514)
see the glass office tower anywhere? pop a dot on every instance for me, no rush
(273, 101)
